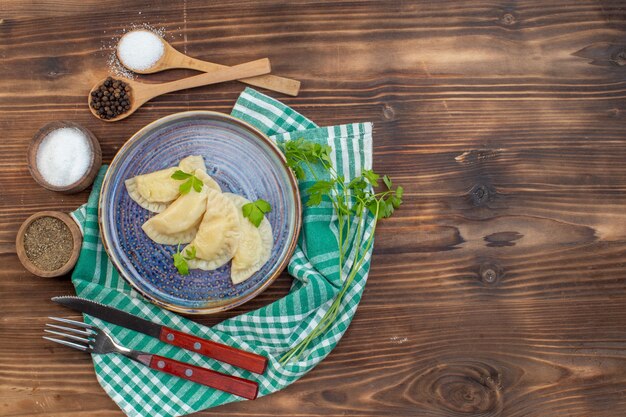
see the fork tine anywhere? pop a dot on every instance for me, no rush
(74, 322)
(69, 336)
(69, 329)
(66, 343)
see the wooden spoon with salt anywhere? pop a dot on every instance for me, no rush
(172, 58)
(140, 93)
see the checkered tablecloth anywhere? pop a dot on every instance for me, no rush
(271, 330)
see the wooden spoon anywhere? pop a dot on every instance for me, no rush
(140, 93)
(174, 59)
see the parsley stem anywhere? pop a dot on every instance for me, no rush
(331, 314)
(340, 239)
(355, 198)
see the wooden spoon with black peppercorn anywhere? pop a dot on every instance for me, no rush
(115, 99)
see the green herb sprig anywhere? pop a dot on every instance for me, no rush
(192, 182)
(351, 202)
(180, 260)
(255, 211)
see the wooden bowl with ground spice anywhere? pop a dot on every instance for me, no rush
(48, 243)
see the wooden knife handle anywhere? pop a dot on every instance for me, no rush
(227, 383)
(224, 353)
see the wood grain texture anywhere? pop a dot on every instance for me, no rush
(497, 290)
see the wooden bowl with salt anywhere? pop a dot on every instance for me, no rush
(48, 243)
(91, 159)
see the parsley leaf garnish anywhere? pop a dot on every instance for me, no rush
(180, 260)
(192, 181)
(255, 211)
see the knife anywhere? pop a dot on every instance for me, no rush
(224, 353)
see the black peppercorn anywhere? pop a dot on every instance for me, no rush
(111, 99)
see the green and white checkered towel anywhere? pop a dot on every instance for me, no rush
(271, 330)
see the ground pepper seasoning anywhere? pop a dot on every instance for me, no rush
(48, 243)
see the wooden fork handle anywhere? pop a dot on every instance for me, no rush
(224, 353)
(227, 383)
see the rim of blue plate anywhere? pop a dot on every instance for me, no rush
(293, 183)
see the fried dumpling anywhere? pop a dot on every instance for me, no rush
(255, 244)
(218, 236)
(178, 223)
(156, 190)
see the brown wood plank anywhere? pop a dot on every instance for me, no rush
(497, 289)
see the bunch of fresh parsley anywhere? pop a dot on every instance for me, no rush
(351, 201)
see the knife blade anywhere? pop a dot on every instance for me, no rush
(224, 353)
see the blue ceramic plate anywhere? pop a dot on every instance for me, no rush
(243, 161)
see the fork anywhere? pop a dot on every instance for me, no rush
(92, 339)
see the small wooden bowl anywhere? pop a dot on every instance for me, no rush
(76, 237)
(92, 171)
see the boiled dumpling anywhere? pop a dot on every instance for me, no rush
(156, 190)
(218, 235)
(255, 244)
(192, 163)
(178, 223)
(207, 180)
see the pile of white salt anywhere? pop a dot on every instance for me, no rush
(139, 50)
(64, 156)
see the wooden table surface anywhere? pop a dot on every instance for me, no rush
(497, 289)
